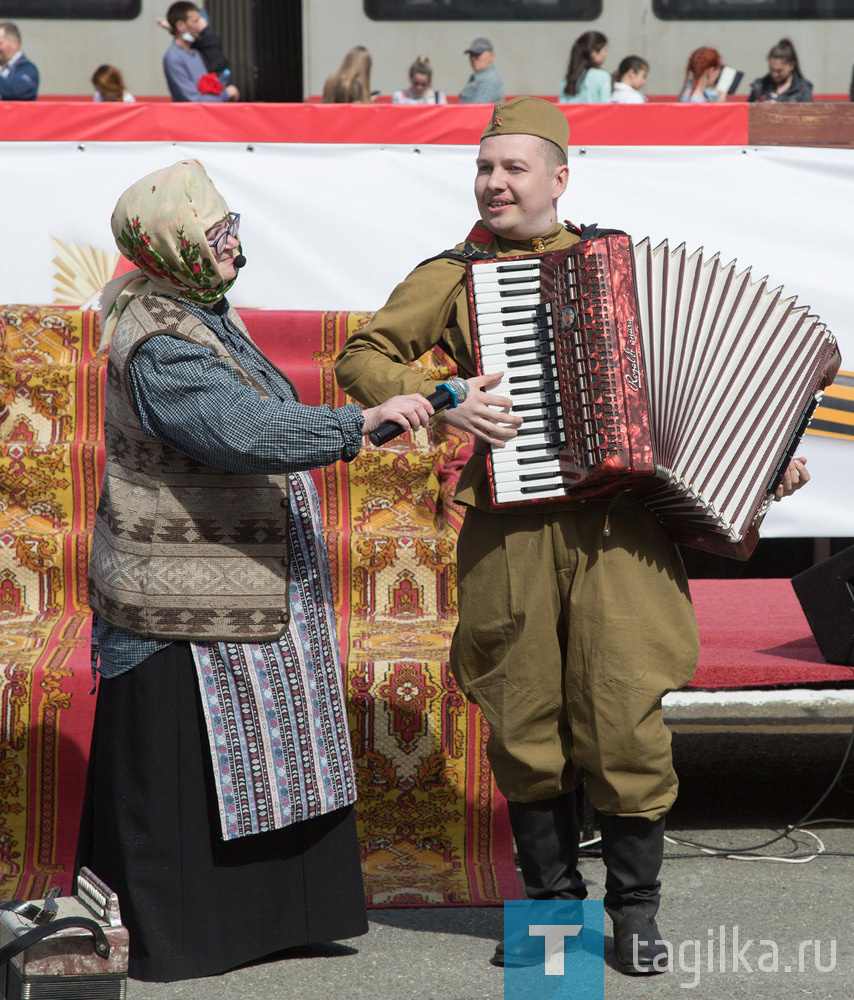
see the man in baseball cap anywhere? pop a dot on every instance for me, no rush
(484, 86)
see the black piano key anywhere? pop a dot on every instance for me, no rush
(540, 336)
(529, 430)
(535, 476)
(545, 408)
(506, 293)
(538, 489)
(535, 459)
(524, 321)
(524, 280)
(532, 377)
(556, 443)
(515, 309)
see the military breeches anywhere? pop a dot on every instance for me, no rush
(573, 625)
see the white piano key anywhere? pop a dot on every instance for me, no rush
(499, 331)
(511, 494)
(513, 296)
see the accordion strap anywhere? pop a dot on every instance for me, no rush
(464, 256)
(593, 232)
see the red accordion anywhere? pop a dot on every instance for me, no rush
(652, 370)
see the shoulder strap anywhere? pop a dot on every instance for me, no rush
(464, 256)
(592, 231)
(469, 252)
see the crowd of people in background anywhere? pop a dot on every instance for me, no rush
(586, 80)
(197, 69)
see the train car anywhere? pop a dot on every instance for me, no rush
(284, 52)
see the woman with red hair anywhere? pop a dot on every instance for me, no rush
(704, 67)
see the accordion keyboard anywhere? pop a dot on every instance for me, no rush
(648, 369)
(516, 336)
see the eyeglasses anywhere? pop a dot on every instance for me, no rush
(232, 221)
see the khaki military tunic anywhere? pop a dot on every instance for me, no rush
(574, 621)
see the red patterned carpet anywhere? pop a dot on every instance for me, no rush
(433, 828)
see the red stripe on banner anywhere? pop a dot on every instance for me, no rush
(590, 124)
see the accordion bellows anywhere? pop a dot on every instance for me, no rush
(655, 370)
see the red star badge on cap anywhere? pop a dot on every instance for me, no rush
(496, 122)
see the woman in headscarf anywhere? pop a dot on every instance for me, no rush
(220, 788)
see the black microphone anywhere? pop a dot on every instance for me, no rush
(448, 395)
(239, 261)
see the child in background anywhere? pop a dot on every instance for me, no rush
(420, 90)
(629, 80)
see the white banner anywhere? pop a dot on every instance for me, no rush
(336, 226)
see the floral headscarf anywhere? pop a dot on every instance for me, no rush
(159, 224)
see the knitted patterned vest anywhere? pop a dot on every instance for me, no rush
(182, 550)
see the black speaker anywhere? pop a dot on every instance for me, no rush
(826, 593)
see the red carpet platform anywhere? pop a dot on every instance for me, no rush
(433, 827)
(753, 633)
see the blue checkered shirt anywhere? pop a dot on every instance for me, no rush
(195, 402)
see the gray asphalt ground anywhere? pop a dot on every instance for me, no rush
(748, 768)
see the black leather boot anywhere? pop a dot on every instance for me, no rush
(632, 849)
(546, 835)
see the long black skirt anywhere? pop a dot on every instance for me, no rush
(196, 905)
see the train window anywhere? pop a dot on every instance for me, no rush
(476, 10)
(751, 10)
(102, 10)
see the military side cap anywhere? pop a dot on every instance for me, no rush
(529, 116)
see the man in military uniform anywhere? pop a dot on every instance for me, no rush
(574, 620)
